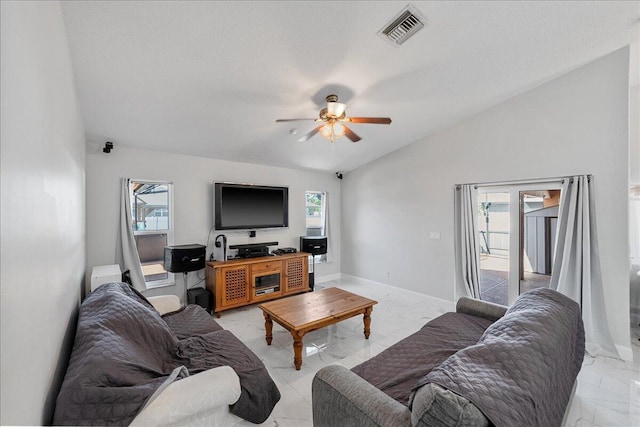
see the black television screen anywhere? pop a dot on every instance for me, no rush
(245, 206)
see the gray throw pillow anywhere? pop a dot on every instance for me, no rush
(434, 406)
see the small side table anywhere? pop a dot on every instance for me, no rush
(101, 274)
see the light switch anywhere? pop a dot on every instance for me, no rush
(434, 235)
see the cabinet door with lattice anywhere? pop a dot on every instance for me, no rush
(235, 288)
(297, 274)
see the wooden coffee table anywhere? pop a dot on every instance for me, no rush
(314, 310)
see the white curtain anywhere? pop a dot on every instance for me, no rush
(467, 255)
(326, 226)
(128, 252)
(576, 270)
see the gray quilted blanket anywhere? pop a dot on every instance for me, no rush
(522, 370)
(397, 369)
(124, 351)
(189, 321)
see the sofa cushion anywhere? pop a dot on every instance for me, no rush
(396, 370)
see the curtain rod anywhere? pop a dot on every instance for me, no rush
(520, 181)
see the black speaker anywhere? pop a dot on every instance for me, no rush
(315, 245)
(184, 258)
(201, 297)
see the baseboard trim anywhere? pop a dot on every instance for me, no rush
(438, 302)
(327, 278)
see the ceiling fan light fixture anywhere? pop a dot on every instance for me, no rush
(336, 109)
(332, 131)
(338, 130)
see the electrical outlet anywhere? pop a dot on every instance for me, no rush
(434, 235)
(388, 274)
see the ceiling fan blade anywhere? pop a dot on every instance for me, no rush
(310, 134)
(293, 120)
(351, 134)
(376, 120)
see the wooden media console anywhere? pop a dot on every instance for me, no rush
(239, 282)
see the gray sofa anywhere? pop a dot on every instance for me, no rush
(482, 365)
(130, 365)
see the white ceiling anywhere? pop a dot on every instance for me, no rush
(210, 78)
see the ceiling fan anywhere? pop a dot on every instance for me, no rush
(332, 121)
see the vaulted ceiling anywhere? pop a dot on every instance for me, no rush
(210, 78)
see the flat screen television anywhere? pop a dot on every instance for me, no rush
(247, 206)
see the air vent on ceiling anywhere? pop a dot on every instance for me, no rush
(402, 26)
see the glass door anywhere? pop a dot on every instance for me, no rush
(538, 230)
(517, 228)
(494, 233)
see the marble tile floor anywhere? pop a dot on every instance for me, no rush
(607, 393)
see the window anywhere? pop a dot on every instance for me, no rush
(151, 208)
(316, 216)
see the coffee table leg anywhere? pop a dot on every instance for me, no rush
(367, 321)
(297, 349)
(268, 327)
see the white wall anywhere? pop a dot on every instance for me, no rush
(634, 135)
(43, 223)
(575, 124)
(193, 179)
(634, 180)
